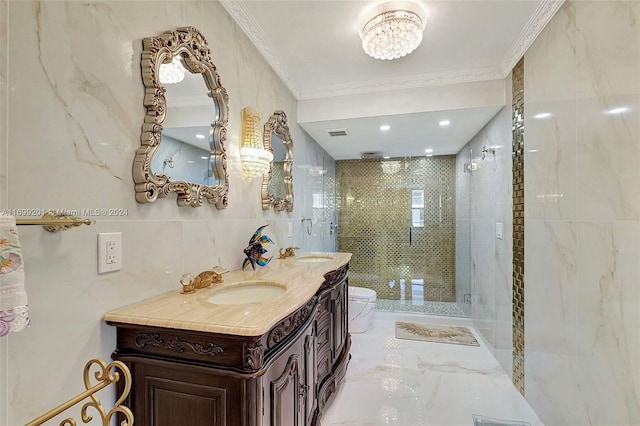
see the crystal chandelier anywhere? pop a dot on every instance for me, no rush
(256, 160)
(393, 29)
(173, 72)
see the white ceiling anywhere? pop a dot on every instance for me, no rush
(409, 134)
(314, 46)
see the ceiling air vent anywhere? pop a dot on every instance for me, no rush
(337, 132)
(371, 155)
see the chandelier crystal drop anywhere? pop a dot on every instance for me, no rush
(394, 30)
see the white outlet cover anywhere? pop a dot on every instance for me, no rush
(109, 252)
(499, 230)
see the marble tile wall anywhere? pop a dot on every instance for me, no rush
(582, 242)
(75, 96)
(483, 198)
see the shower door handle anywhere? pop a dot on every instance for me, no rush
(410, 235)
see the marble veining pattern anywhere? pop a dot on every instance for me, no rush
(583, 216)
(608, 336)
(607, 69)
(75, 95)
(415, 383)
(550, 192)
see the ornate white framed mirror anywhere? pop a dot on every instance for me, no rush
(277, 185)
(182, 147)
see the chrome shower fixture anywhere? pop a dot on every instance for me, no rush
(486, 150)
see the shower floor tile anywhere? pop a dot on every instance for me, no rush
(411, 383)
(450, 309)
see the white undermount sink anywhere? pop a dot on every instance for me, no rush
(247, 292)
(313, 258)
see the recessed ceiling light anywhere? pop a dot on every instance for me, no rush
(385, 127)
(542, 115)
(444, 123)
(190, 161)
(199, 136)
(429, 155)
(386, 157)
(205, 158)
(428, 150)
(619, 110)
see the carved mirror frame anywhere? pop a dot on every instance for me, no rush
(277, 124)
(192, 46)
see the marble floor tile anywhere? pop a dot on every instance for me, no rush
(412, 383)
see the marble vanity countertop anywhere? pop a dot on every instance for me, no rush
(193, 312)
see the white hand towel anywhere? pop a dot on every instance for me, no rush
(14, 311)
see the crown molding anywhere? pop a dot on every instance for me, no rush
(243, 18)
(407, 82)
(541, 16)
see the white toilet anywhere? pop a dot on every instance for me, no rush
(362, 301)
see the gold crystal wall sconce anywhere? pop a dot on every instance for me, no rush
(255, 159)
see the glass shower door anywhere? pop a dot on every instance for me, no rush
(398, 217)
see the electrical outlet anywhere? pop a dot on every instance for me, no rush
(109, 252)
(499, 230)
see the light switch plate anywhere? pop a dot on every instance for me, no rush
(499, 230)
(109, 252)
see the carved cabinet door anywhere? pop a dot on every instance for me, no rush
(339, 311)
(285, 384)
(310, 361)
(286, 399)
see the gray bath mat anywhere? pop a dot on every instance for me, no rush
(488, 421)
(455, 335)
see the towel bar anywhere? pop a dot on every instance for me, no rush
(54, 222)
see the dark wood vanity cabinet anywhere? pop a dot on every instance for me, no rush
(285, 377)
(287, 386)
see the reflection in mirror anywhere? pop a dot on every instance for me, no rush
(277, 186)
(185, 151)
(182, 145)
(276, 183)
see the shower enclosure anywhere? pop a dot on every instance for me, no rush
(398, 218)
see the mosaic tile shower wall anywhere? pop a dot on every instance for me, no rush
(518, 225)
(397, 217)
